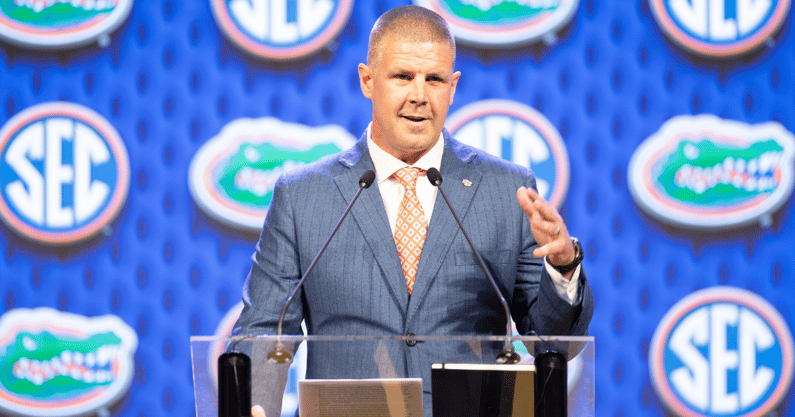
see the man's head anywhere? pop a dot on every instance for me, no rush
(410, 23)
(409, 78)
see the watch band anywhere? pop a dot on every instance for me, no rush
(578, 256)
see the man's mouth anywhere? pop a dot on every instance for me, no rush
(414, 118)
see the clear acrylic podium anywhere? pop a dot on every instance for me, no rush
(275, 386)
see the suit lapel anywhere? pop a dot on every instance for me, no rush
(370, 215)
(443, 229)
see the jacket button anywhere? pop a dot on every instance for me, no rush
(411, 341)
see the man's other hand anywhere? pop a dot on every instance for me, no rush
(548, 229)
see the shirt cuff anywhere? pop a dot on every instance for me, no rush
(567, 289)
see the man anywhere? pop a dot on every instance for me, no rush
(362, 285)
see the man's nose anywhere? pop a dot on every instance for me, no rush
(417, 91)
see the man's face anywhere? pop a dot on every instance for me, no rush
(411, 85)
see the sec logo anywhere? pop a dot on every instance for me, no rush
(722, 351)
(721, 28)
(520, 134)
(64, 173)
(281, 29)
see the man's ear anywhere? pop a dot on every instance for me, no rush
(366, 80)
(454, 84)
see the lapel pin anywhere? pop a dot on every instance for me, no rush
(467, 183)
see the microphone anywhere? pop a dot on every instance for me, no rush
(279, 354)
(551, 385)
(234, 385)
(508, 355)
(551, 378)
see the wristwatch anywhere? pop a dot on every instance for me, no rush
(578, 255)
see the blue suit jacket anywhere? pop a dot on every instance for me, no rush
(358, 288)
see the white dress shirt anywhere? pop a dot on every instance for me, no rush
(392, 195)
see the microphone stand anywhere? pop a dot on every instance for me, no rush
(508, 355)
(279, 354)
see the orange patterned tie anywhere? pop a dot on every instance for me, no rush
(410, 228)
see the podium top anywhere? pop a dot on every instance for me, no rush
(418, 338)
(376, 357)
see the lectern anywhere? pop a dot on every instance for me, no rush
(389, 371)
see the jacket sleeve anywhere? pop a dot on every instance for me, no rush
(536, 306)
(274, 273)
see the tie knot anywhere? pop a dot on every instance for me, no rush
(408, 176)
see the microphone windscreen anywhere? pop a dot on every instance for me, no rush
(434, 176)
(367, 179)
(234, 385)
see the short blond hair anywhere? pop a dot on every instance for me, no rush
(410, 23)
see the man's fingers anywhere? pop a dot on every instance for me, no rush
(554, 247)
(257, 411)
(551, 228)
(533, 204)
(545, 250)
(546, 211)
(546, 224)
(525, 201)
(531, 194)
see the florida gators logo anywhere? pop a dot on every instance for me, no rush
(706, 172)
(720, 28)
(61, 364)
(281, 29)
(503, 22)
(61, 23)
(232, 176)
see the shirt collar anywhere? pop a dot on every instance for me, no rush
(386, 164)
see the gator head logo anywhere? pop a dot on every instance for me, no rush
(705, 172)
(720, 28)
(490, 23)
(281, 29)
(233, 174)
(520, 134)
(61, 364)
(722, 352)
(60, 23)
(64, 173)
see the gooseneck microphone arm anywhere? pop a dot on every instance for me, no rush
(508, 355)
(279, 355)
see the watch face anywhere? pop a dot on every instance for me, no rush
(578, 253)
(578, 256)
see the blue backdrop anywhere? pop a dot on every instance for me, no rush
(169, 80)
